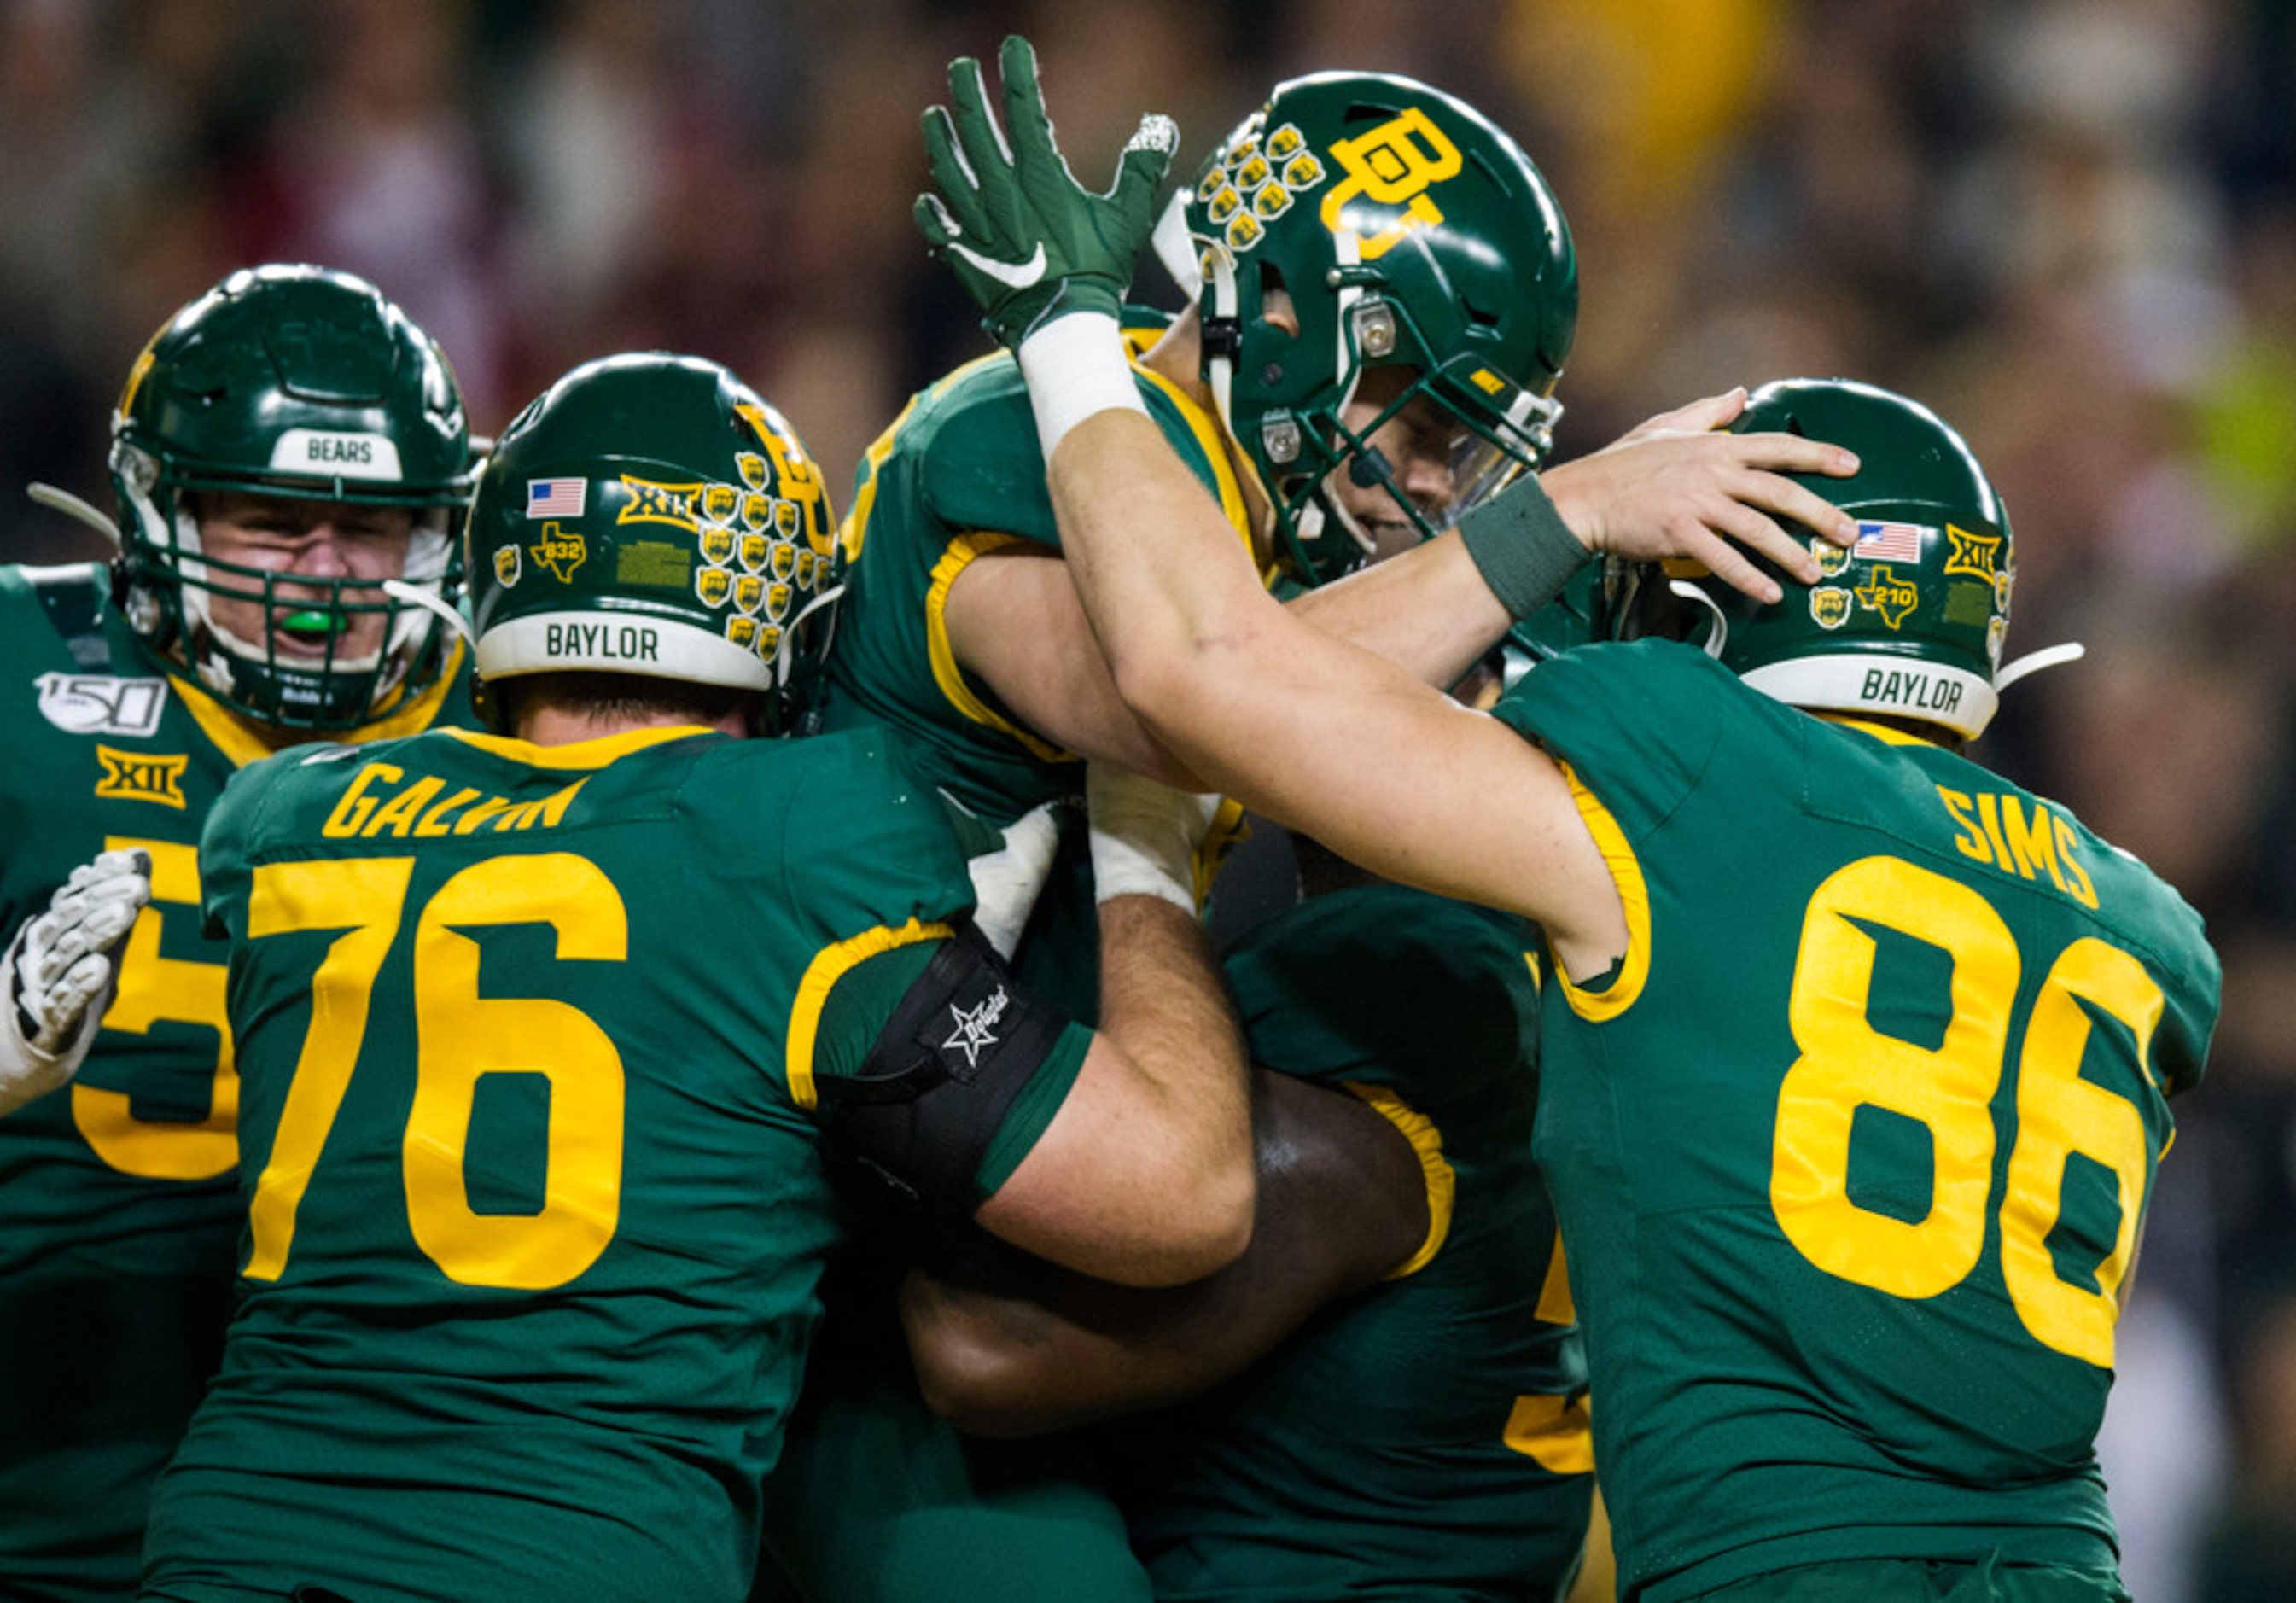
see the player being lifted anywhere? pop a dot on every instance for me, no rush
(1851, 1152)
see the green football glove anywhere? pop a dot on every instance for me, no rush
(1028, 241)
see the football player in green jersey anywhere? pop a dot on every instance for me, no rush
(1850, 1137)
(542, 1034)
(1337, 392)
(285, 444)
(1424, 1435)
(1333, 390)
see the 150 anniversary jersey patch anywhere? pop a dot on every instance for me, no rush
(93, 703)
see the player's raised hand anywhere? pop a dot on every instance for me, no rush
(1027, 240)
(58, 971)
(1678, 485)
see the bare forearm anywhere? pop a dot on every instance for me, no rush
(1163, 1000)
(1158, 570)
(1008, 1345)
(1427, 611)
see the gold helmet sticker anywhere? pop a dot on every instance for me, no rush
(560, 552)
(1885, 593)
(1976, 555)
(1394, 164)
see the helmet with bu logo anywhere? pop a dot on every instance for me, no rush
(1359, 220)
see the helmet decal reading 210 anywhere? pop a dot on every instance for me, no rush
(775, 558)
(1892, 597)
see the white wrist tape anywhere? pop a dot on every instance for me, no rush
(1144, 836)
(1075, 366)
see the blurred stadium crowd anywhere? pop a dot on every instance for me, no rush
(2068, 224)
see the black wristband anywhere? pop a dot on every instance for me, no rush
(1522, 547)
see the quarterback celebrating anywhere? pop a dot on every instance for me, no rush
(1812, 1132)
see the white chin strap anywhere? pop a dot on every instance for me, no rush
(1720, 631)
(1176, 248)
(72, 506)
(1950, 698)
(785, 654)
(431, 600)
(1219, 369)
(2033, 662)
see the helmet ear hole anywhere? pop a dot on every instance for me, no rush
(1276, 307)
(1364, 217)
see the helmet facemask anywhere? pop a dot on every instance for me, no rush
(174, 582)
(293, 384)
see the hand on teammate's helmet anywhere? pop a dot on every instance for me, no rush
(60, 972)
(1028, 241)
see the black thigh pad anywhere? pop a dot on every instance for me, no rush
(935, 1089)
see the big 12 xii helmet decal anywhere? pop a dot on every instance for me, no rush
(1909, 622)
(1361, 220)
(292, 382)
(652, 514)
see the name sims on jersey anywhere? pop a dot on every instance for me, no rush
(625, 642)
(1914, 691)
(381, 800)
(1995, 829)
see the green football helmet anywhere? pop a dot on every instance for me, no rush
(1403, 227)
(1907, 623)
(652, 514)
(303, 382)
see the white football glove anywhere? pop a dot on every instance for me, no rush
(60, 971)
(1006, 882)
(1144, 836)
